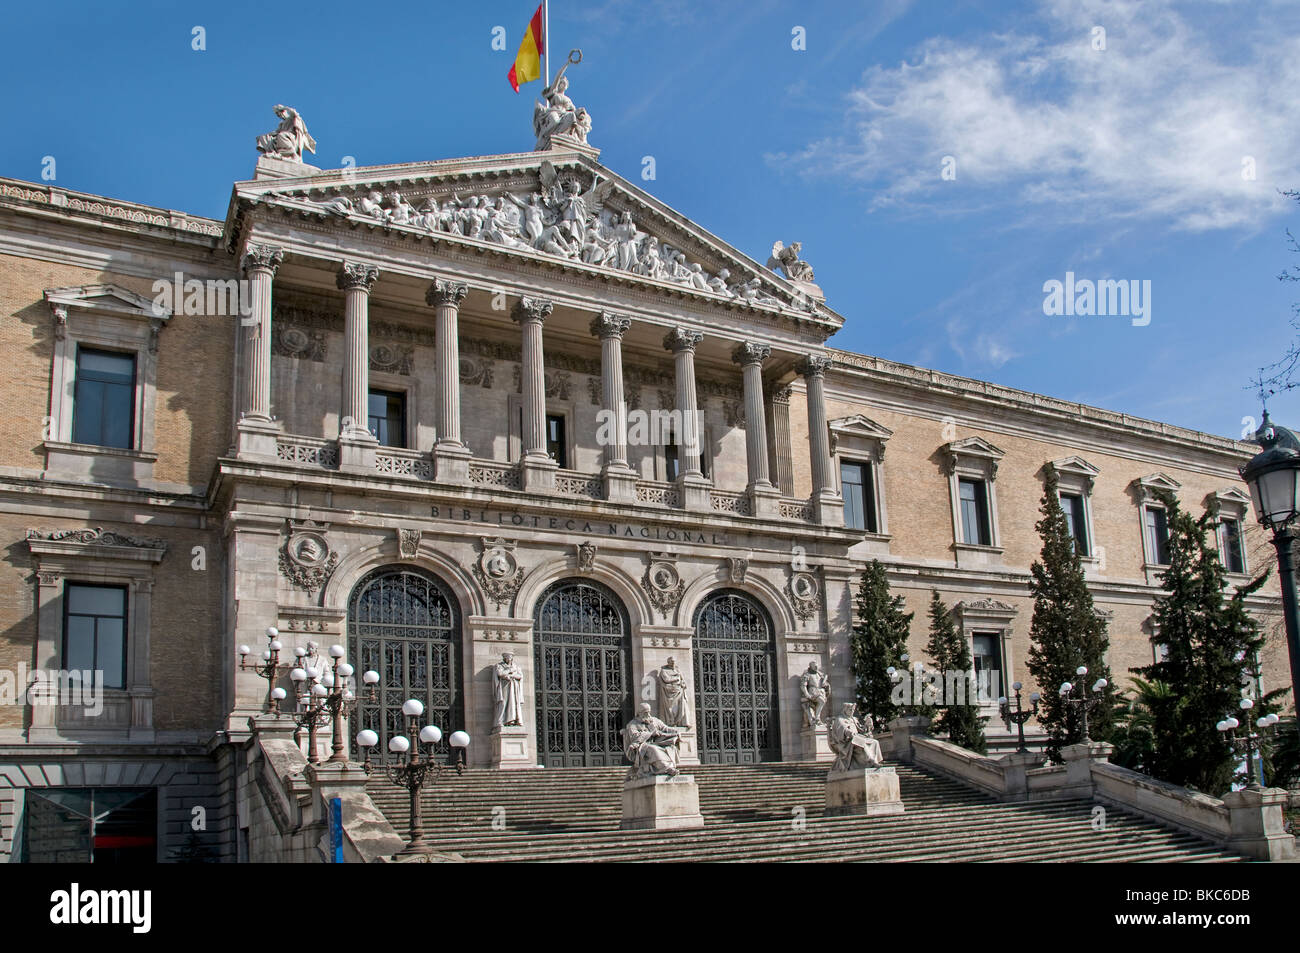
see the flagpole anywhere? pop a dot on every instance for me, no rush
(546, 39)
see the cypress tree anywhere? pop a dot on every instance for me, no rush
(879, 641)
(959, 716)
(1211, 650)
(1066, 632)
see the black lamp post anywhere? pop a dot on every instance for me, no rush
(1274, 478)
(1249, 741)
(1019, 716)
(1076, 695)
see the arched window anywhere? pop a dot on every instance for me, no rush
(735, 683)
(583, 676)
(404, 624)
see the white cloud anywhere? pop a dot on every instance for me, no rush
(1155, 127)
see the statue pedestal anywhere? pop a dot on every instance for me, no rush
(273, 167)
(510, 747)
(661, 803)
(816, 744)
(863, 791)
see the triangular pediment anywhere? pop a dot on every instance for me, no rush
(860, 425)
(1158, 481)
(975, 447)
(109, 298)
(1076, 466)
(557, 208)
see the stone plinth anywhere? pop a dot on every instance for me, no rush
(816, 744)
(868, 791)
(273, 167)
(661, 803)
(1258, 825)
(510, 747)
(688, 751)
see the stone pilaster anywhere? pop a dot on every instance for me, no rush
(763, 496)
(356, 443)
(257, 431)
(450, 455)
(620, 479)
(780, 462)
(828, 508)
(694, 487)
(537, 468)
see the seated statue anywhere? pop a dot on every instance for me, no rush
(854, 747)
(650, 745)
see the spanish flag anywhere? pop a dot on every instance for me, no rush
(528, 61)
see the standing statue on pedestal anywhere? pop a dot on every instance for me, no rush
(853, 744)
(289, 138)
(650, 745)
(508, 691)
(815, 689)
(674, 706)
(555, 114)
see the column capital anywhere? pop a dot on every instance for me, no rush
(532, 309)
(682, 339)
(353, 275)
(446, 292)
(815, 365)
(607, 324)
(781, 395)
(750, 352)
(262, 258)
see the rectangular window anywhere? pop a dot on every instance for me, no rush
(104, 399)
(859, 498)
(1157, 533)
(387, 412)
(94, 631)
(973, 496)
(556, 445)
(1230, 545)
(986, 650)
(1075, 522)
(672, 467)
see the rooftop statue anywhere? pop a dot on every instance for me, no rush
(289, 138)
(787, 259)
(555, 115)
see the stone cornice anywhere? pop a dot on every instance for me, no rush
(70, 203)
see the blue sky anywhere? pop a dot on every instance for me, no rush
(1124, 162)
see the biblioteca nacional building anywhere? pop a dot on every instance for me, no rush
(406, 439)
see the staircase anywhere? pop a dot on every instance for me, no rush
(572, 814)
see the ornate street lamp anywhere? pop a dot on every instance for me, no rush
(269, 668)
(1274, 478)
(1085, 701)
(406, 768)
(326, 697)
(1019, 716)
(1250, 741)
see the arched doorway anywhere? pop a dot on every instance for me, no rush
(735, 682)
(582, 660)
(404, 623)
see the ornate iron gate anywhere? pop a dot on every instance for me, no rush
(404, 624)
(581, 660)
(735, 688)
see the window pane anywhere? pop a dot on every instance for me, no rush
(1076, 525)
(974, 513)
(109, 651)
(987, 653)
(556, 445)
(851, 477)
(103, 399)
(1157, 536)
(79, 650)
(1234, 558)
(96, 600)
(106, 366)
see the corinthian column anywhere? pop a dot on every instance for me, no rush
(538, 469)
(763, 496)
(620, 480)
(356, 442)
(256, 428)
(451, 456)
(694, 487)
(828, 508)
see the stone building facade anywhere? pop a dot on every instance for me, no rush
(406, 439)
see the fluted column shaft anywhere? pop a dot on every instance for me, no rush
(814, 373)
(260, 264)
(682, 343)
(780, 465)
(356, 280)
(446, 297)
(531, 313)
(750, 356)
(610, 328)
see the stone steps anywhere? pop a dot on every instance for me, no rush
(573, 815)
